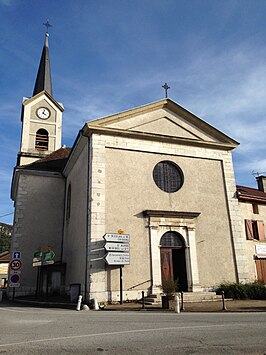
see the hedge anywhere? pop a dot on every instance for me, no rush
(252, 291)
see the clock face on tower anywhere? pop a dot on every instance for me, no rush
(43, 113)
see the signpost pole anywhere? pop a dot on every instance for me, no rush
(121, 285)
(37, 282)
(47, 280)
(117, 247)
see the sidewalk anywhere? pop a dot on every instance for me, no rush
(207, 306)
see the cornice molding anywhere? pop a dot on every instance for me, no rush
(170, 214)
(89, 129)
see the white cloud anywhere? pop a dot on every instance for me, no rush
(253, 165)
(224, 88)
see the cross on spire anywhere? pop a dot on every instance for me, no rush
(47, 25)
(166, 87)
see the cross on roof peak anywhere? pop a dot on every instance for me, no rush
(47, 25)
(166, 87)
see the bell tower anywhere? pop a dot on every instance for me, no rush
(41, 116)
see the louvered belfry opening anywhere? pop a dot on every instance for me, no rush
(42, 140)
(172, 240)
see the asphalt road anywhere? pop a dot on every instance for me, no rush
(26, 330)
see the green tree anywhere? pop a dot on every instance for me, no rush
(5, 237)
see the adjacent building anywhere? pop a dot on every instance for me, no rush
(252, 203)
(4, 262)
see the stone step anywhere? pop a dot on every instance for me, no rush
(153, 295)
(150, 299)
(188, 297)
(201, 296)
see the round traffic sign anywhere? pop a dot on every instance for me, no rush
(15, 264)
(14, 278)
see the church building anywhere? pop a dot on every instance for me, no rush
(148, 194)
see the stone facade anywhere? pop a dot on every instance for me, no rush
(120, 189)
(107, 185)
(37, 222)
(31, 123)
(115, 155)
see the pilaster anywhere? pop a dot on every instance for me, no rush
(191, 258)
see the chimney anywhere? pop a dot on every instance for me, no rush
(261, 180)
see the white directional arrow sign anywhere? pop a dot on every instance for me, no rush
(113, 237)
(116, 246)
(117, 258)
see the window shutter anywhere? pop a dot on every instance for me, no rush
(261, 270)
(249, 231)
(261, 230)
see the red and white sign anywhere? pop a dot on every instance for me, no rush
(15, 264)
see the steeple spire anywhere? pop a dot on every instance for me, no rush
(43, 80)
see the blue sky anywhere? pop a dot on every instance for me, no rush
(111, 55)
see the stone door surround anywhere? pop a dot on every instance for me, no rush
(160, 222)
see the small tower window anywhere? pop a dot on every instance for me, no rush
(255, 208)
(42, 139)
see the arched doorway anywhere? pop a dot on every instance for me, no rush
(173, 261)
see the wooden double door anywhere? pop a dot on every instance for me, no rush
(173, 266)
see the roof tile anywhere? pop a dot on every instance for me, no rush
(53, 162)
(245, 192)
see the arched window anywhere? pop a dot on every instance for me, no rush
(42, 139)
(172, 240)
(68, 208)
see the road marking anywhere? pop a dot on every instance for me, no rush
(122, 332)
(11, 310)
(34, 311)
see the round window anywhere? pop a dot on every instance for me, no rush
(168, 176)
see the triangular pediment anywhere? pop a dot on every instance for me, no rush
(164, 119)
(43, 95)
(167, 127)
(162, 125)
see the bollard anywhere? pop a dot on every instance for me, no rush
(85, 308)
(224, 306)
(79, 303)
(177, 304)
(182, 301)
(95, 304)
(143, 301)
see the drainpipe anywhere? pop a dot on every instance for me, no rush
(88, 218)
